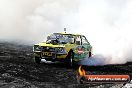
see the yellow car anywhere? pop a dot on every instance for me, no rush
(68, 48)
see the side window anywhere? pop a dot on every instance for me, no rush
(84, 41)
(78, 40)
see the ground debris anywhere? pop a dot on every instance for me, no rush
(17, 70)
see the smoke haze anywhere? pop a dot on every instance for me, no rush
(32, 20)
(106, 23)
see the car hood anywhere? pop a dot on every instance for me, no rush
(49, 45)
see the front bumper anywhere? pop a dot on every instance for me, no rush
(50, 57)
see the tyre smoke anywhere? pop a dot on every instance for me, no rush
(106, 23)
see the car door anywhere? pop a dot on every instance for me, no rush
(86, 45)
(78, 49)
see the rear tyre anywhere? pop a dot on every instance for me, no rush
(37, 60)
(90, 54)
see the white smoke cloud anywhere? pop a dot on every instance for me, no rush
(32, 20)
(13, 22)
(49, 17)
(106, 23)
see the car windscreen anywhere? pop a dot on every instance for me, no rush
(61, 38)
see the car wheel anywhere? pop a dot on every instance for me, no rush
(90, 54)
(70, 59)
(37, 60)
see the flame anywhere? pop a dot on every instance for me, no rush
(81, 71)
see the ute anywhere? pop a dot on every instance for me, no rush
(63, 47)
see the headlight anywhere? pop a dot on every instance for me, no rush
(60, 50)
(37, 48)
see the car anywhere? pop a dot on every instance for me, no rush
(63, 47)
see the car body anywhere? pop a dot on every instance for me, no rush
(68, 48)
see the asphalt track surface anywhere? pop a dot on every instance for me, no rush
(18, 70)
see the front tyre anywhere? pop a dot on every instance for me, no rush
(70, 59)
(37, 60)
